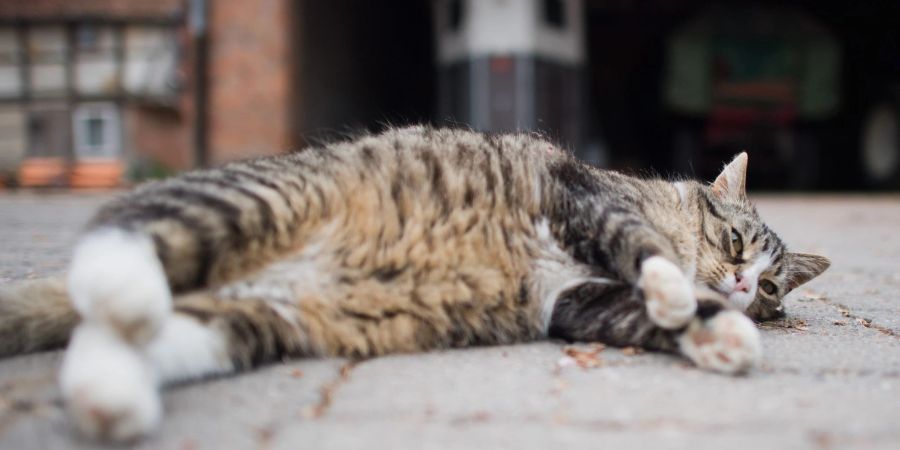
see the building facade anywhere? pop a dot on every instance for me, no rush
(93, 92)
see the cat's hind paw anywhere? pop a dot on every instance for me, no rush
(729, 342)
(117, 279)
(668, 293)
(110, 393)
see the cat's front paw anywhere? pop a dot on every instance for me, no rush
(109, 391)
(117, 279)
(728, 342)
(668, 293)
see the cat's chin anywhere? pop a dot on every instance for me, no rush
(741, 300)
(738, 299)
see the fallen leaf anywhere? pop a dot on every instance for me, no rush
(813, 295)
(297, 373)
(631, 351)
(840, 323)
(796, 324)
(476, 417)
(264, 434)
(822, 439)
(585, 359)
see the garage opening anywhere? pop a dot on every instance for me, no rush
(362, 66)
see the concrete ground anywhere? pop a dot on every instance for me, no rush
(831, 376)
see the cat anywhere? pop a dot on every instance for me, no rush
(410, 240)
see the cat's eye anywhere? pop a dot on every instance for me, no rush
(736, 242)
(768, 287)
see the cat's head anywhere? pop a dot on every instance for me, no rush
(740, 257)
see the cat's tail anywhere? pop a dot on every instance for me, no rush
(35, 315)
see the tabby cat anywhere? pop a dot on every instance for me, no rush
(414, 239)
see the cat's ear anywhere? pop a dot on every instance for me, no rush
(802, 267)
(731, 183)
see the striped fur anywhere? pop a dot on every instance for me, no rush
(422, 238)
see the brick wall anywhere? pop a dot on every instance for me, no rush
(249, 75)
(75, 9)
(158, 136)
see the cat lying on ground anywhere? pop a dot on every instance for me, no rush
(410, 240)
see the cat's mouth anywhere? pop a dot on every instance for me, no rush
(740, 299)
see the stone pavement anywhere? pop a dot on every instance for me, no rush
(830, 379)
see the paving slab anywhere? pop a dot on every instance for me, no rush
(830, 376)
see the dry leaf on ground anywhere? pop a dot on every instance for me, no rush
(812, 295)
(584, 359)
(788, 324)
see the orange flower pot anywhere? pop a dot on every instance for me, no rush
(96, 174)
(38, 172)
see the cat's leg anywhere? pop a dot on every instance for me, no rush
(111, 387)
(716, 338)
(644, 258)
(117, 281)
(118, 287)
(669, 295)
(723, 340)
(137, 251)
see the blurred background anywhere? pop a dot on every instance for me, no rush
(98, 93)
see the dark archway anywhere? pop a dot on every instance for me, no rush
(362, 65)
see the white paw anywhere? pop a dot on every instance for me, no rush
(116, 278)
(669, 295)
(109, 391)
(727, 343)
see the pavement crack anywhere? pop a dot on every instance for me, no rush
(327, 391)
(868, 323)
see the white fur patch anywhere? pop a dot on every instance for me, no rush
(111, 387)
(743, 299)
(304, 273)
(554, 272)
(668, 293)
(108, 389)
(727, 343)
(186, 349)
(116, 278)
(682, 192)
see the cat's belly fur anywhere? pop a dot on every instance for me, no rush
(467, 280)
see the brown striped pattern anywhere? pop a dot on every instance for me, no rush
(423, 238)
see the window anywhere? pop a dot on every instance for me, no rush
(96, 68)
(47, 130)
(455, 10)
(47, 54)
(555, 13)
(150, 61)
(87, 38)
(95, 138)
(10, 72)
(96, 131)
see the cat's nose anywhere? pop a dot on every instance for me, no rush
(742, 284)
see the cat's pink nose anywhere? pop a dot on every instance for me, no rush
(742, 284)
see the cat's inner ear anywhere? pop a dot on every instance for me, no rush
(802, 267)
(731, 183)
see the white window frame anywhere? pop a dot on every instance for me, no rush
(109, 114)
